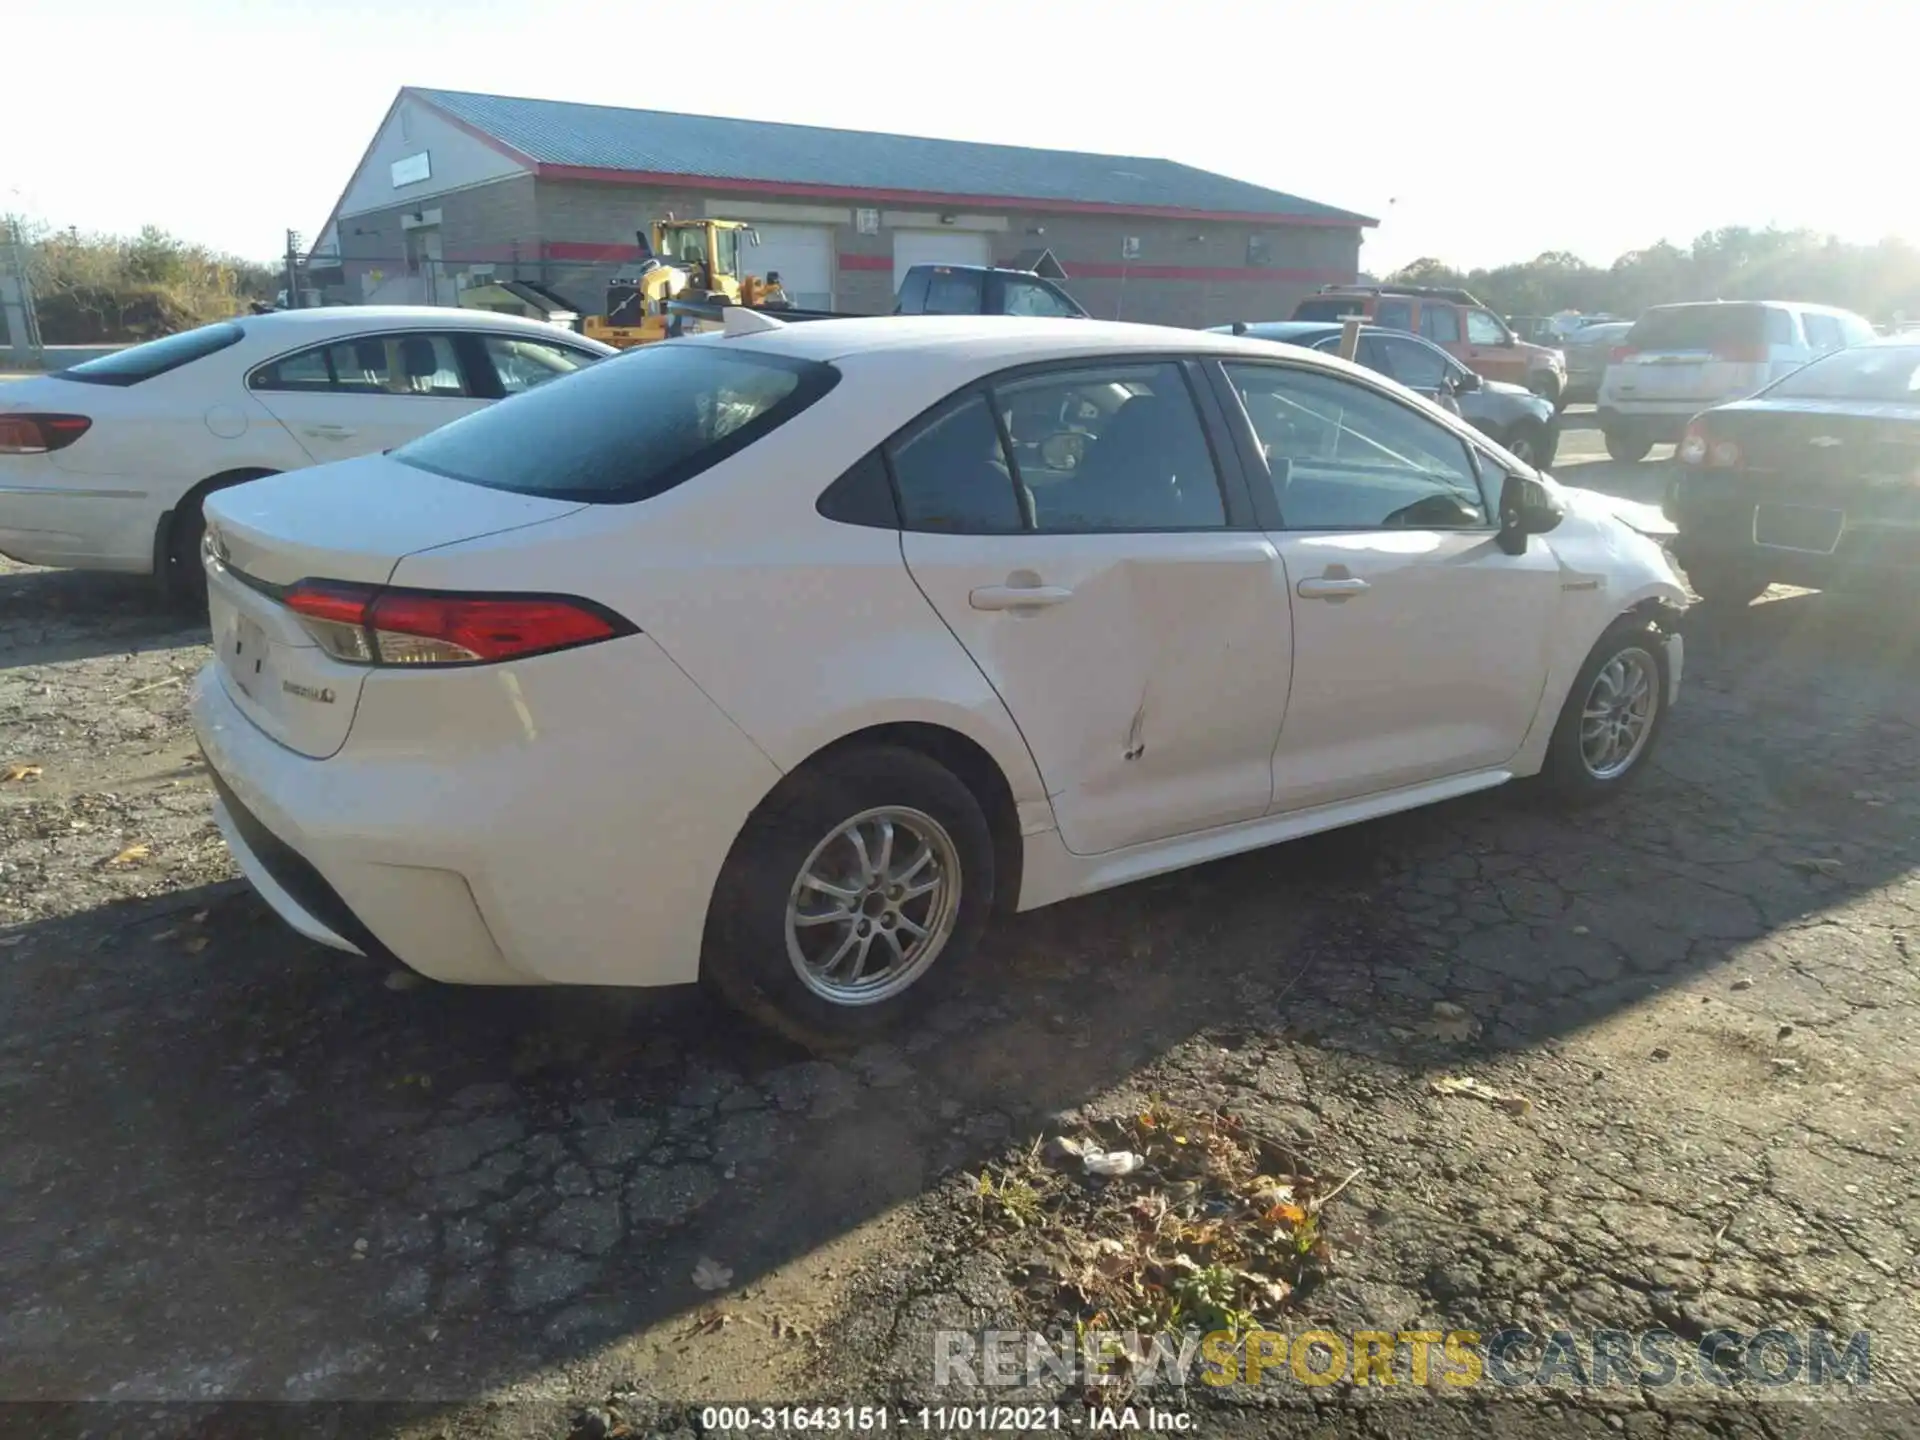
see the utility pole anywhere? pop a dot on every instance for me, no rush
(293, 269)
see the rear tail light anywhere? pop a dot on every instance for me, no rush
(1700, 448)
(365, 625)
(40, 434)
(1740, 354)
(1620, 354)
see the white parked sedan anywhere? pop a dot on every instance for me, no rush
(104, 466)
(782, 660)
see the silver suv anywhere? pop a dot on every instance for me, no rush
(1678, 360)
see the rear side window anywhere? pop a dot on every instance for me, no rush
(1330, 309)
(626, 429)
(1867, 372)
(414, 364)
(1709, 327)
(1823, 332)
(156, 357)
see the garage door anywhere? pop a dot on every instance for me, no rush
(937, 247)
(803, 254)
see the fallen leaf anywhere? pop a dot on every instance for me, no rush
(199, 917)
(1480, 1090)
(129, 855)
(1450, 1022)
(711, 1275)
(1290, 1213)
(19, 772)
(195, 945)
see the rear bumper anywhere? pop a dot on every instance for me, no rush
(1663, 423)
(104, 524)
(499, 825)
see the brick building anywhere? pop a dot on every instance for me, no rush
(458, 188)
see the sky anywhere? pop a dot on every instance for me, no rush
(1478, 131)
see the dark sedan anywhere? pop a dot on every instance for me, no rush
(1813, 481)
(1512, 416)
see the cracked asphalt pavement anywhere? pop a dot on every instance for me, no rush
(237, 1168)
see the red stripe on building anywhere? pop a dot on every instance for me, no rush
(927, 197)
(1259, 274)
(592, 254)
(866, 262)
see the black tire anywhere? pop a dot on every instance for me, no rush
(1535, 444)
(1726, 586)
(1567, 774)
(182, 577)
(1627, 446)
(745, 956)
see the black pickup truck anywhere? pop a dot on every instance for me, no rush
(927, 290)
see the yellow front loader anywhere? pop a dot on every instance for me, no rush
(695, 260)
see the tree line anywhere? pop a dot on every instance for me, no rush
(1880, 281)
(102, 289)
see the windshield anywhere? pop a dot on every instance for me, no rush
(1870, 372)
(156, 357)
(627, 428)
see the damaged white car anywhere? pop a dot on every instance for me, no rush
(784, 659)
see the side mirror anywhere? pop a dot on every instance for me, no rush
(1526, 508)
(1465, 381)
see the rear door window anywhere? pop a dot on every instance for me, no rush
(628, 429)
(156, 357)
(1024, 297)
(1440, 324)
(1394, 315)
(953, 473)
(1484, 329)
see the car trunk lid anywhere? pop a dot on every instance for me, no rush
(352, 522)
(1694, 353)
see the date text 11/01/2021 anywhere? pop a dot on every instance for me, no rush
(941, 1419)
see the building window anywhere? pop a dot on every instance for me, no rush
(1259, 252)
(1130, 247)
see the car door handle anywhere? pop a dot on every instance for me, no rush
(328, 432)
(1018, 597)
(1328, 587)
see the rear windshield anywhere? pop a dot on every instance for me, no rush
(1334, 309)
(1872, 372)
(156, 357)
(1708, 327)
(627, 428)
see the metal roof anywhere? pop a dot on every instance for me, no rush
(605, 137)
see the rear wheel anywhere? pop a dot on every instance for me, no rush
(1612, 717)
(853, 895)
(1725, 584)
(182, 576)
(1627, 446)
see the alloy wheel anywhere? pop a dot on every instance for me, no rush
(1616, 719)
(873, 906)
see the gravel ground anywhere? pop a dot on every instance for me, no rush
(236, 1168)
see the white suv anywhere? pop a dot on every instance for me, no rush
(1681, 359)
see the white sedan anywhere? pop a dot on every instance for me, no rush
(782, 660)
(104, 466)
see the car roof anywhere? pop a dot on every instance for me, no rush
(988, 341)
(1286, 329)
(357, 317)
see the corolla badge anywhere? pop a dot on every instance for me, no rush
(1826, 442)
(323, 694)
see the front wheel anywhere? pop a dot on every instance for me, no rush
(860, 886)
(1612, 717)
(1536, 445)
